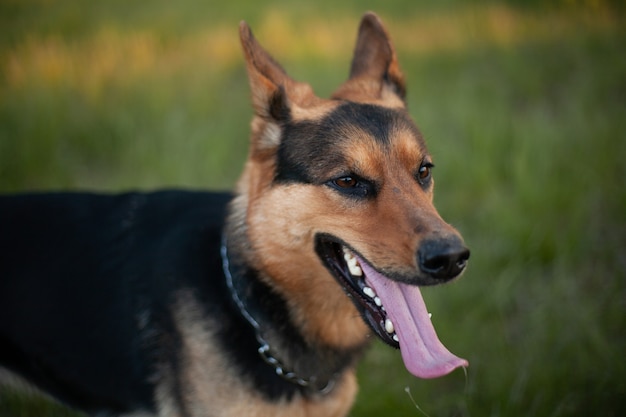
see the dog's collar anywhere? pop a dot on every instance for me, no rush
(264, 349)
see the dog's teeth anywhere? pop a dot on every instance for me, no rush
(395, 337)
(369, 292)
(355, 270)
(377, 301)
(389, 326)
(352, 262)
(430, 315)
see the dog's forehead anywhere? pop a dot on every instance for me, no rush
(389, 127)
(353, 135)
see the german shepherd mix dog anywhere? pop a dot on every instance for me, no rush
(181, 303)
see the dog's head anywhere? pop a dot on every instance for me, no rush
(340, 191)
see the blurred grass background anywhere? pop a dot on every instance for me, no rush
(523, 105)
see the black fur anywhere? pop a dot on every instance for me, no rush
(270, 310)
(308, 151)
(93, 287)
(279, 106)
(86, 287)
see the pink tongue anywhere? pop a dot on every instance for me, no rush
(422, 352)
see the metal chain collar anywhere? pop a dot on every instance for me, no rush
(264, 348)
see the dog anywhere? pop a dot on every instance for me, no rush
(257, 303)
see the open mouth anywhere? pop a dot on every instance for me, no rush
(395, 311)
(347, 270)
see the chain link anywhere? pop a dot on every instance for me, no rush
(264, 348)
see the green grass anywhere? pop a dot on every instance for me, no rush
(524, 110)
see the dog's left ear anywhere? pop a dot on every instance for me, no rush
(275, 95)
(375, 73)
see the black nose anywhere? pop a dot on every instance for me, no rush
(443, 258)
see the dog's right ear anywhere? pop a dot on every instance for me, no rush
(268, 80)
(275, 95)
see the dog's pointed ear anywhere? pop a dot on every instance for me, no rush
(375, 72)
(267, 78)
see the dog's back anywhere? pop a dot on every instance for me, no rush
(84, 286)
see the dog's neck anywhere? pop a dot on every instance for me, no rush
(314, 369)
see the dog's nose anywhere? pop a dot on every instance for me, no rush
(443, 258)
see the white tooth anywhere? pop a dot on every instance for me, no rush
(430, 315)
(377, 301)
(356, 270)
(352, 262)
(369, 292)
(395, 337)
(389, 326)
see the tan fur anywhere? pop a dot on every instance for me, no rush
(282, 220)
(274, 225)
(210, 383)
(383, 231)
(375, 76)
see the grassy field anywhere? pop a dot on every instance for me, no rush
(523, 105)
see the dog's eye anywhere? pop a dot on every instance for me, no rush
(346, 182)
(424, 173)
(353, 186)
